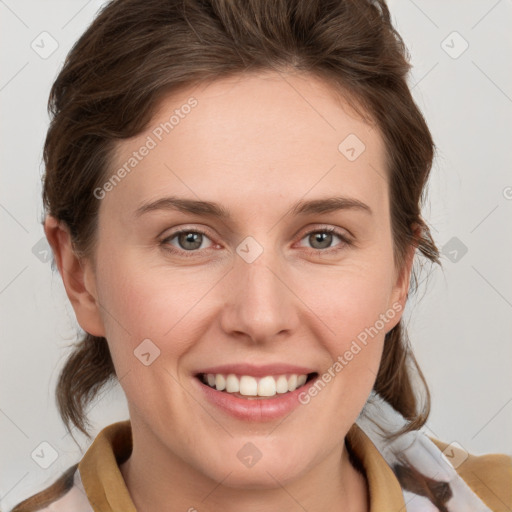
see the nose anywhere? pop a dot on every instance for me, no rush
(260, 303)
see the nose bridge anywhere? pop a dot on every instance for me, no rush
(260, 305)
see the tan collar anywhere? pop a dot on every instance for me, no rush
(100, 473)
(107, 491)
(384, 488)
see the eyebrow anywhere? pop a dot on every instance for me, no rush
(211, 209)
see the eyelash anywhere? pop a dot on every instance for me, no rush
(345, 242)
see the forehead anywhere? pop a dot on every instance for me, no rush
(261, 138)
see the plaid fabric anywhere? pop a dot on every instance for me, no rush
(429, 481)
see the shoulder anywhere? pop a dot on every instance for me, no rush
(67, 492)
(64, 495)
(489, 476)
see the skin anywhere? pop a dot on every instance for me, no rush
(256, 145)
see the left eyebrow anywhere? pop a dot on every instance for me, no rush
(211, 209)
(329, 205)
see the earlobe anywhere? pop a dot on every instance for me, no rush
(75, 274)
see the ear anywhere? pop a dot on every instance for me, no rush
(77, 275)
(403, 279)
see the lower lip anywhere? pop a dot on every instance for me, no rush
(258, 409)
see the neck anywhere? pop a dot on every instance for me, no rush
(158, 480)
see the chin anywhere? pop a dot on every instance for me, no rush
(267, 469)
(260, 476)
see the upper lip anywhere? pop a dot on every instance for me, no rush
(257, 371)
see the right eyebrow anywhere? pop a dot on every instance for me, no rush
(204, 208)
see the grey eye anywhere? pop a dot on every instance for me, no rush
(323, 239)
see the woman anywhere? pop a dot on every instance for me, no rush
(233, 194)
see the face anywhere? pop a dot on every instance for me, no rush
(295, 278)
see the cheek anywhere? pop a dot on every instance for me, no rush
(353, 305)
(139, 303)
(148, 311)
(349, 299)
(148, 299)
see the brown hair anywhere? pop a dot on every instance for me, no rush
(137, 51)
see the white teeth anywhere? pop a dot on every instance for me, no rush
(232, 384)
(292, 383)
(220, 382)
(251, 386)
(267, 386)
(282, 384)
(248, 386)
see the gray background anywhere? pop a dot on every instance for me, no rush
(459, 321)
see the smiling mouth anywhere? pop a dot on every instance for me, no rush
(247, 386)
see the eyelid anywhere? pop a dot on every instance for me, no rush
(171, 232)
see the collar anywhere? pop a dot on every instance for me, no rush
(107, 492)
